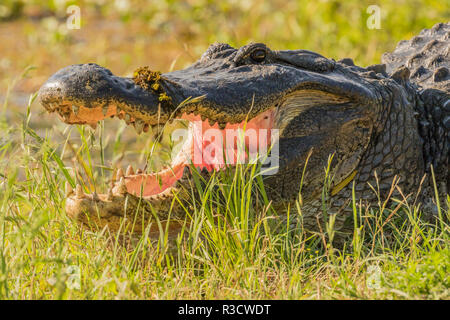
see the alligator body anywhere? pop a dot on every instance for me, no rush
(375, 126)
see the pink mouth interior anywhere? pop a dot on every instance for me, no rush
(204, 150)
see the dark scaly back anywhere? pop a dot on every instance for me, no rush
(427, 56)
(425, 59)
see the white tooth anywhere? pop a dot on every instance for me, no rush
(122, 188)
(130, 170)
(79, 191)
(75, 109)
(105, 110)
(139, 126)
(120, 173)
(69, 189)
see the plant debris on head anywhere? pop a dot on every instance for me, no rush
(150, 80)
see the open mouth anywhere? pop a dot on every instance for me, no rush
(238, 120)
(205, 145)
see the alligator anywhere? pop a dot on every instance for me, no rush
(376, 131)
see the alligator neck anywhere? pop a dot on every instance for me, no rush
(396, 147)
(433, 119)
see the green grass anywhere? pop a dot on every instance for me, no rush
(231, 249)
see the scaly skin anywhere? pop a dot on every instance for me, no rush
(382, 124)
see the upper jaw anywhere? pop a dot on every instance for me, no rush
(220, 94)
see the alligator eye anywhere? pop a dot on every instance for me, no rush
(258, 55)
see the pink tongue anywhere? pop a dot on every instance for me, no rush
(214, 148)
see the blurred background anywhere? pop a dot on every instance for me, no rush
(121, 35)
(165, 34)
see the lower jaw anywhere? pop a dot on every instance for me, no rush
(126, 213)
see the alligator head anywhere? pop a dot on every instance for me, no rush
(317, 109)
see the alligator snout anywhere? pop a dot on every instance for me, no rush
(97, 93)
